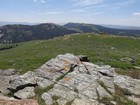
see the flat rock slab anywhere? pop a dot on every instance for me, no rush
(18, 102)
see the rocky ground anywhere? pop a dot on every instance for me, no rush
(68, 80)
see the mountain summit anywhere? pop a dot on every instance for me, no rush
(20, 33)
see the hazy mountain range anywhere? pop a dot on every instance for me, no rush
(19, 33)
(82, 27)
(105, 25)
(121, 27)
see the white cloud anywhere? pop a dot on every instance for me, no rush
(35, 0)
(41, 1)
(86, 2)
(136, 14)
(51, 13)
(123, 4)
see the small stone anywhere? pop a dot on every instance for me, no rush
(83, 58)
(113, 102)
(127, 59)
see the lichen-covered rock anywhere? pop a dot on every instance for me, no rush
(60, 63)
(67, 79)
(47, 74)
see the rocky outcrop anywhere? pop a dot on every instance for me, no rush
(69, 79)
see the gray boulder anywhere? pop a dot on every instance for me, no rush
(82, 84)
(126, 82)
(60, 63)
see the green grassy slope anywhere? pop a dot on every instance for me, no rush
(100, 49)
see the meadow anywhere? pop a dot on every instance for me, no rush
(123, 53)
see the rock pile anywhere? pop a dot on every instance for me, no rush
(67, 79)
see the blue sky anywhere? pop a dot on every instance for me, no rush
(119, 12)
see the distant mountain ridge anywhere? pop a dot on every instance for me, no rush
(82, 27)
(20, 33)
(121, 27)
